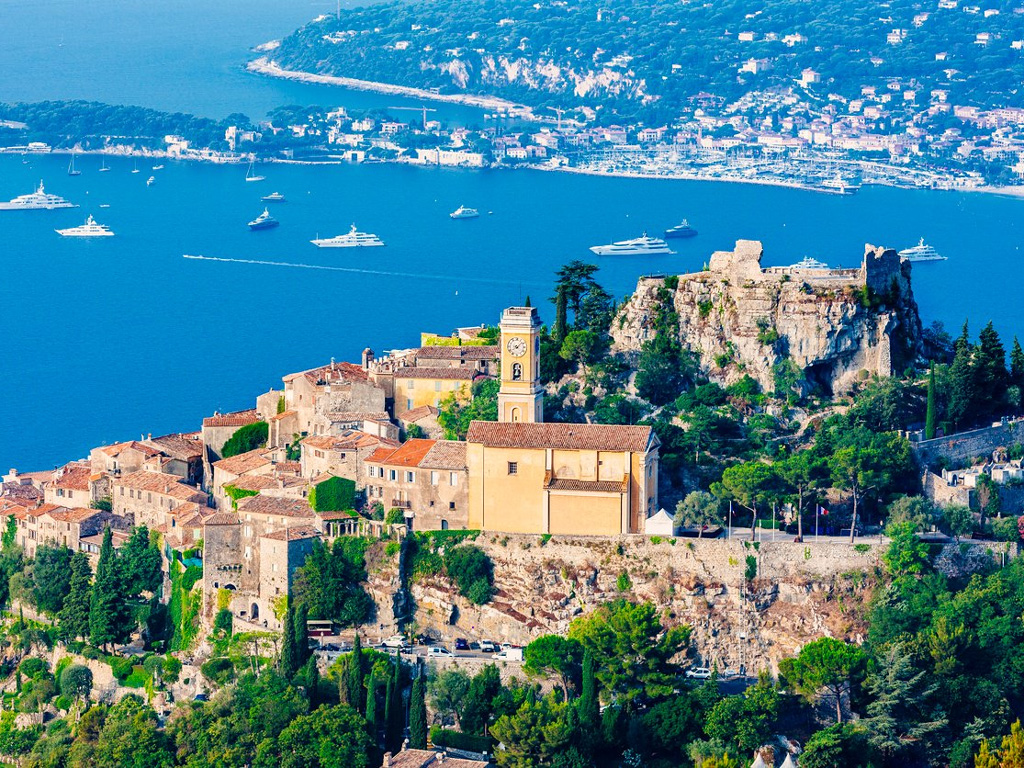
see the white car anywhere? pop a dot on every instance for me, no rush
(440, 653)
(395, 641)
(698, 673)
(488, 646)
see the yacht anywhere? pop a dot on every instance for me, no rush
(36, 201)
(462, 212)
(158, 167)
(273, 197)
(839, 186)
(808, 263)
(89, 229)
(103, 166)
(263, 221)
(640, 246)
(681, 230)
(72, 171)
(251, 175)
(136, 168)
(354, 239)
(921, 252)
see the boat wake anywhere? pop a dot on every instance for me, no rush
(353, 270)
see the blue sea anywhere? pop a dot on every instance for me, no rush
(106, 340)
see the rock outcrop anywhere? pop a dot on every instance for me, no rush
(835, 325)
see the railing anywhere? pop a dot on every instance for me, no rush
(401, 504)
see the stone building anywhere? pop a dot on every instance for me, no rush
(424, 417)
(281, 552)
(414, 378)
(263, 470)
(217, 430)
(340, 455)
(426, 479)
(416, 386)
(174, 454)
(147, 498)
(61, 526)
(70, 486)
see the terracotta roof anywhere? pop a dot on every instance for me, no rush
(135, 445)
(221, 518)
(336, 416)
(424, 758)
(25, 492)
(236, 419)
(282, 415)
(288, 466)
(293, 534)
(272, 505)
(74, 476)
(592, 486)
(76, 515)
(331, 372)
(159, 482)
(243, 462)
(265, 482)
(339, 515)
(584, 437)
(409, 454)
(446, 454)
(350, 439)
(8, 508)
(473, 352)
(423, 412)
(178, 446)
(417, 372)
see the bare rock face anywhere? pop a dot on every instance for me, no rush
(835, 325)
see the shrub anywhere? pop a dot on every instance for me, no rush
(333, 495)
(444, 737)
(120, 667)
(172, 669)
(219, 671)
(247, 438)
(223, 621)
(394, 517)
(750, 572)
(138, 678)
(624, 583)
(471, 570)
(32, 667)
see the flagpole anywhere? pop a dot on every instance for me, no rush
(773, 521)
(817, 508)
(729, 534)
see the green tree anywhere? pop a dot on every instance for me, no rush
(76, 681)
(1017, 364)
(745, 722)
(330, 581)
(957, 520)
(300, 628)
(991, 376)
(804, 473)
(827, 665)
(289, 661)
(418, 713)
(560, 329)
(699, 510)
(448, 694)
(10, 535)
(962, 392)
(589, 705)
(110, 619)
(374, 712)
(906, 553)
(471, 570)
(328, 737)
(631, 648)
(534, 735)
(131, 736)
(140, 563)
(750, 484)
(573, 281)
(455, 415)
(394, 713)
(855, 468)
(51, 577)
(245, 439)
(837, 746)
(554, 654)
(582, 348)
(74, 615)
(929, 419)
(355, 678)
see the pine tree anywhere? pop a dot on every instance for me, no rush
(394, 713)
(355, 680)
(74, 616)
(418, 713)
(527, 302)
(301, 633)
(991, 376)
(588, 704)
(289, 653)
(961, 387)
(1017, 364)
(929, 419)
(561, 326)
(110, 619)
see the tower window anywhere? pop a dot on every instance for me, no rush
(513, 467)
(517, 372)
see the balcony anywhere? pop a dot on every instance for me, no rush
(400, 504)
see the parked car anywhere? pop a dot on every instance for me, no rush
(698, 673)
(506, 646)
(509, 654)
(395, 641)
(439, 653)
(488, 646)
(461, 644)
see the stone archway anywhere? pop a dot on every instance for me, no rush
(254, 612)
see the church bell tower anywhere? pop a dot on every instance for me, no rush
(521, 397)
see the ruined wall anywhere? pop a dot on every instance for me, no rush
(742, 319)
(963, 447)
(799, 593)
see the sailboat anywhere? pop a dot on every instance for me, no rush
(136, 168)
(250, 175)
(103, 166)
(72, 171)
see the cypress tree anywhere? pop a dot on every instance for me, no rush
(372, 710)
(110, 619)
(527, 302)
(394, 713)
(74, 616)
(355, 680)
(589, 707)
(418, 713)
(1017, 364)
(289, 654)
(560, 328)
(929, 419)
(301, 633)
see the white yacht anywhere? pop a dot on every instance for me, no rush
(640, 246)
(36, 201)
(251, 175)
(808, 263)
(354, 239)
(921, 252)
(839, 186)
(89, 229)
(462, 212)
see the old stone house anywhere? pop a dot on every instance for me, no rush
(61, 526)
(147, 498)
(70, 486)
(416, 386)
(426, 479)
(281, 553)
(340, 455)
(216, 431)
(424, 417)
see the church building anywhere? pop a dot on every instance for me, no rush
(526, 476)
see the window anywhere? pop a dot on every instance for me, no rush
(434, 477)
(410, 477)
(372, 472)
(453, 479)
(392, 474)
(451, 505)
(408, 404)
(513, 467)
(412, 383)
(437, 386)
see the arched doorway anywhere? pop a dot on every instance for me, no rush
(255, 613)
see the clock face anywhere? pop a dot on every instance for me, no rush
(517, 346)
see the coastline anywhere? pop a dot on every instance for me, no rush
(266, 66)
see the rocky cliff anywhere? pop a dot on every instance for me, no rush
(835, 325)
(797, 593)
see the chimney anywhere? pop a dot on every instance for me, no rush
(149, 435)
(405, 745)
(332, 364)
(387, 760)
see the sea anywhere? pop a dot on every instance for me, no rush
(185, 311)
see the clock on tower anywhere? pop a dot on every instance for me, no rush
(521, 397)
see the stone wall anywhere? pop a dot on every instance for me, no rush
(942, 493)
(959, 449)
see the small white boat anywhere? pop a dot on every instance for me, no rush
(354, 239)
(89, 229)
(136, 168)
(158, 167)
(251, 175)
(462, 212)
(72, 171)
(273, 197)
(150, 181)
(103, 166)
